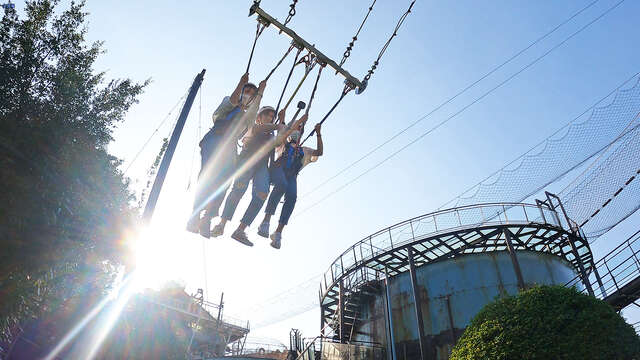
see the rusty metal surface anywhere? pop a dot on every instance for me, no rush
(467, 283)
(444, 235)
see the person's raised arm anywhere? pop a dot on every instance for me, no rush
(282, 138)
(320, 150)
(235, 95)
(249, 117)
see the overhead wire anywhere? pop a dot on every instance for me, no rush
(376, 62)
(155, 132)
(449, 100)
(432, 129)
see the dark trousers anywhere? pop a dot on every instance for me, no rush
(218, 159)
(286, 186)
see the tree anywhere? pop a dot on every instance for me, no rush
(548, 322)
(66, 207)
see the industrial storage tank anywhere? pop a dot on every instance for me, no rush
(451, 263)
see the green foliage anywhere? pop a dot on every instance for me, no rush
(66, 207)
(548, 322)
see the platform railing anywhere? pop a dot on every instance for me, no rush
(616, 269)
(433, 224)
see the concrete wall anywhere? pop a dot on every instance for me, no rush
(467, 283)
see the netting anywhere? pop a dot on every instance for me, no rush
(608, 192)
(558, 155)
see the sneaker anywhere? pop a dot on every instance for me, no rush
(241, 237)
(263, 230)
(193, 225)
(218, 230)
(205, 227)
(276, 237)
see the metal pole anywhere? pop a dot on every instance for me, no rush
(389, 313)
(514, 258)
(583, 273)
(417, 303)
(451, 323)
(599, 280)
(341, 309)
(171, 148)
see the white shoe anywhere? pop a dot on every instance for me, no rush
(276, 238)
(241, 237)
(263, 230)
(217, 230)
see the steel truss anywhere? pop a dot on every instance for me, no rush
(442, 235)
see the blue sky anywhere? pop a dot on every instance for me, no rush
(443, 47)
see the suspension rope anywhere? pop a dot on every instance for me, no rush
(386, 45)
(345, 91)
(315, 87)
(310, 61)
(347, 52)
(292, 12)
(313, 94)
(259, 28)
(295, 62)
(279, 62)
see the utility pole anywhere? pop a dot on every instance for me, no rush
(171, 148)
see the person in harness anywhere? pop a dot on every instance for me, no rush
(253, 161)
(284, 173)
(218, 152)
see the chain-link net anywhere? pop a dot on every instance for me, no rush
(608, 192)
(557, 156)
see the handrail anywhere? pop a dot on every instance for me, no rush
(436, 222)
(614, 276)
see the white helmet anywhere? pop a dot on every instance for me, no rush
(266, 108)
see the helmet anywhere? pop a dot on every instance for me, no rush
(266, 108)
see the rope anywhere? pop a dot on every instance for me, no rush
(345, 91)
(386, 45)
(315, 87)
(295, 62)
(279, 62)
(259, 28)
(347, 52)
(310, 60)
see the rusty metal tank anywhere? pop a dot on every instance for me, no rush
(451, 293)
(450, 263)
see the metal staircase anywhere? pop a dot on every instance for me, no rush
(616, 278)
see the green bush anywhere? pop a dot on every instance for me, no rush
(548, 322)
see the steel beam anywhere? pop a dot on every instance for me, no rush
(389, 316)
(171, 148)
(417, 303)
(583, 273)
(341, 310)
(514, 258)
(322, 58)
